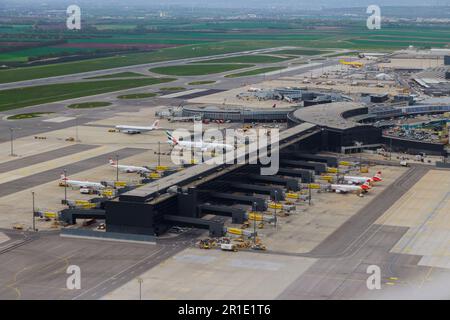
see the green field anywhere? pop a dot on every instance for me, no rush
(198, 83)
(59, 69)
(30, 115)
(138, 96)
(198, 69)
(248, 59)
(89, 105)
(120, 75)
(28, 96)
(253, 72)
(197, 38)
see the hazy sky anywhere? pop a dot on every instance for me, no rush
(298, 4)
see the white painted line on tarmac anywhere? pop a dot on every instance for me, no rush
(183, 93)
(59, 119)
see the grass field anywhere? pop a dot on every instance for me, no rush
(197, 38)
(198, 83)
(30, 115)
(120, 75)
(198, 69)
(59, 69)
(138, 96)
(253, 72)
(89, 105)
(28, 96)
(248, 59)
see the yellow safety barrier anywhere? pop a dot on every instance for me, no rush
(162, 168)
(291, 195)
(255, 216)
(120, 184)
(314, 186)
(107, 193)
(49, 214)
(81, 202)
(234, 231)
(345, 163)
(332, 170)
(274, 205)
(155, 175)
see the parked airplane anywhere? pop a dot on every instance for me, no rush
(128, 169)
(198, 145)
(81, 184)
(137, 129)
(345, 188)
(361, 180)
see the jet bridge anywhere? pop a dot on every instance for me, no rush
(317, 167)
(260, 203)
(307, 176)
(329, 160)
(276, 194)
(238, 215)
(288, 183)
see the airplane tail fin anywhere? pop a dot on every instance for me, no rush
(112, 162)
(63, 177)
(155, 124)
(171, 139)
(377, 177)
(366, 185)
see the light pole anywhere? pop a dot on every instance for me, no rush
(34, 224)
(11, 131)
(275, 212)
(159, 153)
(254, 223)
(76, 129)
(309, 193)
(140, 287)
(65, 186)
(117, 167)
(390, 148)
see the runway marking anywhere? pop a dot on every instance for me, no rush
(59, 119)
(183, 93)
(11, 285)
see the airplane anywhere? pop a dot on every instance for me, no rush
(128, 169)
(360, 180)
(197, 145)
(137, 129)
(344, 188)
(80, 184)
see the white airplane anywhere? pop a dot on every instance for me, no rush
(81, 184)
(361, 180)
(198, 145)
(128, 169)
(345, 188)
(137, 129)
